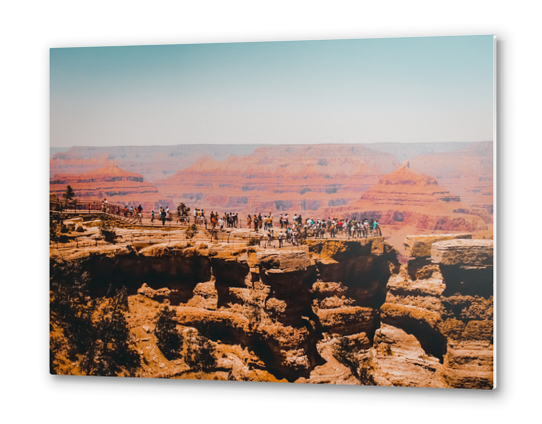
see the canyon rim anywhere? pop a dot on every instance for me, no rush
(306, 212)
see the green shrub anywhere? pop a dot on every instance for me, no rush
(199, 352)
(253, 241)
(95, 334)
(360, 366)
(169, 339)
(191, 231)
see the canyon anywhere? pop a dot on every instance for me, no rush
(323, 312)
(106, 182)
(315, 180)
(153, 162)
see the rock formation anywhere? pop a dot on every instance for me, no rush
(279, 178)
(467, 171)
(329, 311)
(453, 191)
(109, 182)
(408, 197)
(444, 300)
(153, 162)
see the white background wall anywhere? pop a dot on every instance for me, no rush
(29, 29)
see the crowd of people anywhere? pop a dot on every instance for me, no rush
(299, 228)
(288, 229)
(293, 229)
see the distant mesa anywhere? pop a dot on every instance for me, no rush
(408, 197)
(153, 162)
(431, 186)
(67, 162)
(295, 178)
(467, 171)
(109, 181)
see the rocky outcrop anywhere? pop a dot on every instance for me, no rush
(329, 311)
(446, 302)
(463, 252)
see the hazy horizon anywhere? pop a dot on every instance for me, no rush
(396, 90)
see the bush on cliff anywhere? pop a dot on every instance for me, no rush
(183, 210)
(361, 367)
(254, 309)
(253, 241)
(191, 231)
(169, 339)
(91, 334)
(110, 351)
(199, 352)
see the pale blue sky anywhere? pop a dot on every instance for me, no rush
(339, 91)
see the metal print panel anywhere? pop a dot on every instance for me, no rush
(303, 212)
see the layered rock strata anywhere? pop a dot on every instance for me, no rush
(467, 171)
(290, 178)
(407, 197)
(446, 304)
(111, 182)
(330, 311)
(269, 301)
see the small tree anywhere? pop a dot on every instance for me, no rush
(191, 231)
(169, 339)
(199, 352)
(253, 241)
(95, 334)
(183, 210)
(55, 225)
(361, 367)
(68, 194)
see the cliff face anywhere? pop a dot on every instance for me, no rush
(331, 311)
(445, 300)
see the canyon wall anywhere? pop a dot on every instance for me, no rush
(439, 313)
(330, 311)
(153, 162)
(445, 187)
(279, 178)
(111, 182)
